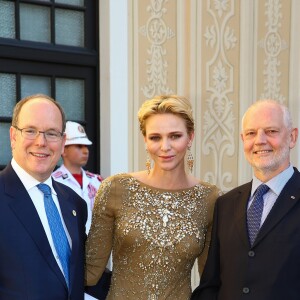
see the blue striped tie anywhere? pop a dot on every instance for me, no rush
(57, 230)
(254, 212)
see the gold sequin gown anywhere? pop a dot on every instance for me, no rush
(155, 236)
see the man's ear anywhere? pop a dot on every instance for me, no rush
(242, 136)
(12, 135)
(294, 137)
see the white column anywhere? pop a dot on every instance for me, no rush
(113, 86)
(247, 71)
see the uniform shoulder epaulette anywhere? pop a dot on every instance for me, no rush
(60, 174)
(89, 174)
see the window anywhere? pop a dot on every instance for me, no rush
(50, 47)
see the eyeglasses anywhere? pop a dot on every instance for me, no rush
(32, 133)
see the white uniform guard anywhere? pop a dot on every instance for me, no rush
(90, 182)
(90, 186)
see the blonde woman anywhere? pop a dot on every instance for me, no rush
(156, 221)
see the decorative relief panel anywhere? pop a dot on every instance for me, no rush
(274, 44)
(157, 32)
(220, 48)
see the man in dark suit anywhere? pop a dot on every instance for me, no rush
(31, 266)
(263, 263)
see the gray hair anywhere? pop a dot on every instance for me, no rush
(287, 118)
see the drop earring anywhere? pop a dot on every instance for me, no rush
(190, 160)
(148, 163)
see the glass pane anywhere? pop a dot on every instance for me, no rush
(35, 23)
(69, 27)
(35, 85)
(7, 19)
(72, 2)
(5, 153)
(8, 94)
(70, 94)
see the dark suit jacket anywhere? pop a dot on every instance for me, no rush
(270, 269)
(28, 269)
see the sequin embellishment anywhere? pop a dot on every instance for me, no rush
(157, 235)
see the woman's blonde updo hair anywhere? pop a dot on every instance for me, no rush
(172, 104)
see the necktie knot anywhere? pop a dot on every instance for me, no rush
(261, 190)
(44, 188)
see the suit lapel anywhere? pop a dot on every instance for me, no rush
(24, 209)
(241, 202)
(288, 197)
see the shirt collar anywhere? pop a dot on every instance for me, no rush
(28, 181)
(277, 183)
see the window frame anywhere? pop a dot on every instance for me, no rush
(59, 61)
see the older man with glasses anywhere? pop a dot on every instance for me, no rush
(42, 222)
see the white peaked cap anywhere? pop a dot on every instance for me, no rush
(76, 134)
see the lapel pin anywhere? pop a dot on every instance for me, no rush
(74, 212)
(293, 197)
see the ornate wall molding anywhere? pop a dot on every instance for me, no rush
(157, 33)
(273, 44)
(218, 140)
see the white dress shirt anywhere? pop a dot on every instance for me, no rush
(37, 198)
(276, 185)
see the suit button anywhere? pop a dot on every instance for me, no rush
(251, 253)
(246, 290)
